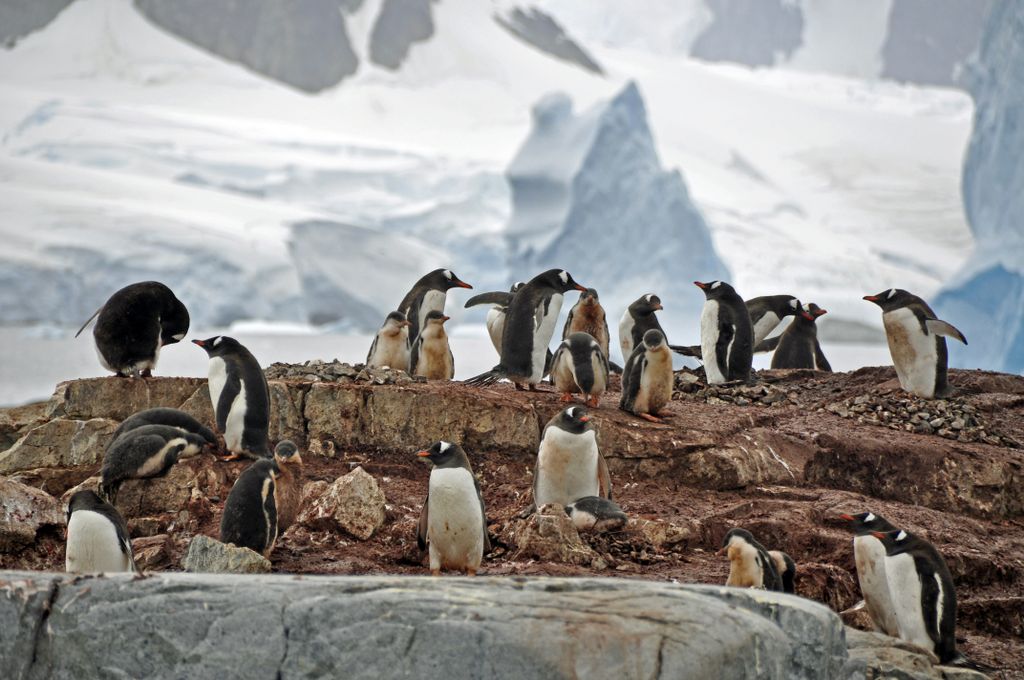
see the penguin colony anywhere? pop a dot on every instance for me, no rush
(907, 587)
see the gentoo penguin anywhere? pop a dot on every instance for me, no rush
(647, 379)
(391, 346)
(766, 313)
(922, 592)
(250, 513)
(529, 325)
(786, 568)
(144, 452)
(869, 556)
(453, 522)
(428, 295)
(726, 337)
(288, 484)
(240, 397)
(97, 536)
(500, 301)
(569, 465)
(593, 513)
(580, 365)
(798, 346)
(587, 316)
(636, 320)
(165, 416)
(915, 342)
(750, 565)
(431, 354)
(134, 324)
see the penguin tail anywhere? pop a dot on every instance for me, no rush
(687, 351)
(961, 661)
(88, 321)
(489, 378)
(108, 491)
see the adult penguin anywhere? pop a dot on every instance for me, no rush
(134, 324)
(869, 558)
(428, 295)
(569, 464)
(97, 536)
(240, 397)
(726, 336)
(766, 313)
(529, 325)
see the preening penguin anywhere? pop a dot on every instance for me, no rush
(750, 565)
(134, 324)
(97, 537)
(579, 365)
(250, 514)
(726, 336)
(240, 397)
(593, 513)
(767, 312)
(165, 416)
(529, 325)
(569, 464)
(916, 342)
(496, 314)
(798, 346)
(587, 316)
(453, 522)
(869, 556)
(786, 568)
(647, 379)
(428, 295)
(391, 346)
(144, 452)
(431, 354)
(288, 484)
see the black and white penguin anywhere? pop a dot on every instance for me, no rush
(869, 557)
(798, 346)
(240, 397)
(593, 513)
(500, 301)
(580, 366)
(144, 452)
(529, 325)
(767, 312)
(453, 522)
(726, 336)
(287, 484)
(916, 342)
(428, 295)
(250, 512)
(97, 536)
(165, 416)
(636, 320)
(786, 568)
(647, 378)
(431, 354)
(569, 464)
(922, 592)
(134, 324)
(391, 346)
(750, 565)
(587, 316)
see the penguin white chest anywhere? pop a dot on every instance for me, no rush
(905, 590)
(566, 467)
(543, 329)
(454, 520)
(869, 554)
(709, 342)
(626, 334)
(765, 325)
(235, 419)
(433, 301)
(655, 382)
(93, 545)
(392, 351)
(495, 326)
(745, 569)
(914, 352)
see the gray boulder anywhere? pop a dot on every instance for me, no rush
(25, 510)
(208, 555)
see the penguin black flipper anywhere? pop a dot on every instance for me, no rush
(768, 344)
(631, 378)
(614, 367)
(421, 528)
(820, 361)
(940, 327)
(604, 479)
(687, 350)
(373, 348)
(232, 386)
(483, 512)
(171, 417)
(568, 323)
(726, 332)
(489, 377)
(414, 357)
(498, 297)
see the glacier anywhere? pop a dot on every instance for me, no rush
(986, 299)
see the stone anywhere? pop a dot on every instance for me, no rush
(209, 555)
(152, 552)
(16, 421)
(118, 398)
(25, 510)
(661, 534)
(353, 503)
(59, 443)
(549, 534)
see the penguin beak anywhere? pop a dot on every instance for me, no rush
(821, 312)
(807, 315)
(581, 288)
(423, 454)
(461, 284)
(847, 518)
(445, 318)
(878, 534)
(658, 306)
(700, 285)
(870, 298)
(199, 342)
(584, 419)
(722, 550)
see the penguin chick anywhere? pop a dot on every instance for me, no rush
(165, 416)
(798, 346)
(786, 568)
(869, 558)
(726, 335)
(428, 295)
(579, 365)
(593, 513)
(250, 514)
(647, 379)
(142, 453)
(431, 355)
(391, 345)
(587, 316)
(569, 464)
(97, 536)
(240, 397)
(453, 522)
(288, 485)
(750, 565)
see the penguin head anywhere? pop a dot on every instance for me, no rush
(560, 280)
(736, 536)
(446, 280)
(792, 307)
(714, 290)
(866, 522)
(645, 305)
(894, 298)
(394, 323)
(812, 311)
(86, 499)
(287, 453)
(436, 317)
(653, 339)
(574, 419)
(173, 322)
(589, 297)
(516, 286)
(444, 454)
(219, 345)
(897, 541)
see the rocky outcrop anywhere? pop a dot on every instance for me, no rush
(549, 534)
(25, 510)
(353, 504)
(59, 444)
(207, 555)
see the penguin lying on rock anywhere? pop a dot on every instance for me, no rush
(593, 513)
(97, 536)
(144, 452)
(171, 417)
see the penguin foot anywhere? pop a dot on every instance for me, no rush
(566, 398)
(470, 571)
(593, 402)
(233, 456)
(435, 572)
(146, 373)
(650, 417)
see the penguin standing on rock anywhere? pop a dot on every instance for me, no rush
(916, 342)
(288, 484)
(587, 316)
(428, 295)
(171, 417)
(97, 537)
(579, 365)
(144, 452)
(134, 324)
(569, 464)
(750, 565)
(240, 397)
(496, 314)
(453, 523)
(647, 379)
(250, 518)
(593, 513)
(391, 345)
(726, 336)
(636, 320)
(432, 355)
(869, 556)
(529, 325)
(798, 346)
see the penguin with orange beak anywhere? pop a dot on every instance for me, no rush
(726, 334)
(428, 295)
(431, 355)
(569, 464)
